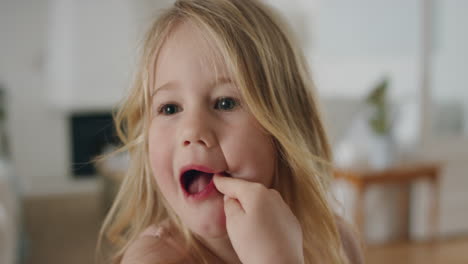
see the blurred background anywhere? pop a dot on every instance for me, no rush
(390, 76)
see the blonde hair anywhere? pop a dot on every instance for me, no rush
(275, 83)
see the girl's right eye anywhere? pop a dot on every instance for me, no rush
(169, 109)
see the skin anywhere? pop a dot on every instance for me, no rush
(198, 117)
(261, 227)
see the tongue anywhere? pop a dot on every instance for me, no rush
(199, 183)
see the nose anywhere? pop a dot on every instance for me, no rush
(198, 130)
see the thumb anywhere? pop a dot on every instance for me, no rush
(232, 208)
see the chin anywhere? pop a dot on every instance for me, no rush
(211, 221)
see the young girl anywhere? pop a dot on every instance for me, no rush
(229, 159)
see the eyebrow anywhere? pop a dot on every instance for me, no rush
(169, 84)
(163, 87)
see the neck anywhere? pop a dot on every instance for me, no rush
(222, 248)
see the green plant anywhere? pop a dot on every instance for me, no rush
(377, 98)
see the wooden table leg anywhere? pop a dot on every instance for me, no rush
(434, 208)
(359, 212)
(404, 193)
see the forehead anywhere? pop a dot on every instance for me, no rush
(188, 53)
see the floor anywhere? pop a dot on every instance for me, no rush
(449, 251)
(63, 229)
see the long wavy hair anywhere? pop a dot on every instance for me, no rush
(276, 86)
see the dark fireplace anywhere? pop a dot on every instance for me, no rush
(91, 133)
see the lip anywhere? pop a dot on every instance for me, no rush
(209, 189)
(198, 168)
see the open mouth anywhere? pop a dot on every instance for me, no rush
(195, 181)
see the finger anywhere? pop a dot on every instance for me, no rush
(232, 208)
(232, 187)
(242, 190)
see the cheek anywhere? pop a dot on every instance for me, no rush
(251, 152)
(160, 158)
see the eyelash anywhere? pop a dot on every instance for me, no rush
(216, 106)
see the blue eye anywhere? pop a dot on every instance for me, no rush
(169, 109)
(226, 103)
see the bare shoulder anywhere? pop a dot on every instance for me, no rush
(153, 246)
(351, 242)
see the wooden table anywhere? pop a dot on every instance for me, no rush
(403, 176)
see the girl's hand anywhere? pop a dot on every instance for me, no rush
(260, 225)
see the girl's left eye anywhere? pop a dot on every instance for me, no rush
(169, 109)
(226, 103)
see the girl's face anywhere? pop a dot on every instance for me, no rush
(200, 127)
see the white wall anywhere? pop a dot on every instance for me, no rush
(450, 67)
(90, 49)
(363, 41)
(36, 133)
(57, 57)
(450, 52)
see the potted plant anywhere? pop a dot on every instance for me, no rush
(382, 145)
